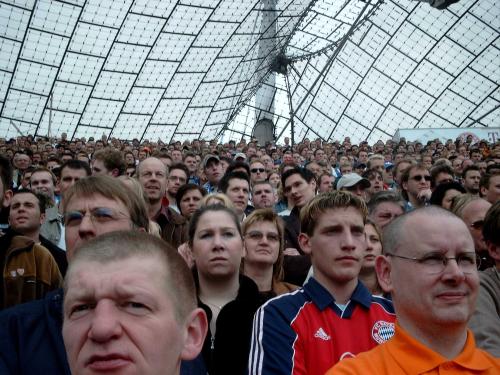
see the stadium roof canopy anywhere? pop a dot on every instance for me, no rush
(188, 69)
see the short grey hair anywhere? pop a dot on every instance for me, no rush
(122, 245)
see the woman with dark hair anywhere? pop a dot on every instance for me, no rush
(263, 235)
(188, 199)
(229, 298)
(443, 194)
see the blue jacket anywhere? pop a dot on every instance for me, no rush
(31, 340)
(30, 337)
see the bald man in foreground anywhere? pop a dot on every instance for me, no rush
(429, 266)
(130, 307)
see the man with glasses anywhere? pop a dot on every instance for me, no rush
(257, 171)
(416, 186)
(429, 266)
(31, 333)
(177, 176)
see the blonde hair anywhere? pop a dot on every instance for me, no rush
(219, 198)
(269, 216)
(460, 202)
(310, 213)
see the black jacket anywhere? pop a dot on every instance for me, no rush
(295, 267)
(227, 352)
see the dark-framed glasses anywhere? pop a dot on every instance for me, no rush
(420, 177)
(257, 170)
(435, 263)
(97, 215)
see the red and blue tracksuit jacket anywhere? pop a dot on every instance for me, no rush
(305, 332)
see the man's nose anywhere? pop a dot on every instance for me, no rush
(86, 227)
(105, 323)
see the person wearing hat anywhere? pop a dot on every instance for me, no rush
(213, 171)
(354, 183)
(240, 156)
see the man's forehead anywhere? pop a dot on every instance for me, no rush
(263, 188)
(388, 206)
(337, 215)
(92, 201)
(141, 271)
(415, 171)
(238, 182)
(41, 175)
(152, 165)
(70, 172)
(177, 172)
(296, 177)
(24, 197)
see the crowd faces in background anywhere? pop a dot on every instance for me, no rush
(177, 180)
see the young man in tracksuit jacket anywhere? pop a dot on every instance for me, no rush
(333, 316)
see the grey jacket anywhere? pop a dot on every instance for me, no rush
(485, 323)
(51, 229)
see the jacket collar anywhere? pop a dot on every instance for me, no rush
(322, 297)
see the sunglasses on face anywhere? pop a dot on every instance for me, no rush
(257, 170)
(420, 177)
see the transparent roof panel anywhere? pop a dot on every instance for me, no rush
(152, 69)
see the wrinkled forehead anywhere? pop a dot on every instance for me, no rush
(115, 278)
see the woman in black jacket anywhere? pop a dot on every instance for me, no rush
(229, 299)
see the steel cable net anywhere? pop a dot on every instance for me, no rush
(176, 70)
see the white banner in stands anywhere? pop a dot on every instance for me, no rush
(424, 135)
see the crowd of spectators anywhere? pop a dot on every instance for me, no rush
(270, 208)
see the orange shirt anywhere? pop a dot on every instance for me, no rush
(404, 355)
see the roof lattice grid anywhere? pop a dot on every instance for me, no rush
(189, 69)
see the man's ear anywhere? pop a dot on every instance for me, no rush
(115, 172)
(196, 329)
(7, 197)
(305, 243)
(483, 191)
(383, 267)
(42, 218)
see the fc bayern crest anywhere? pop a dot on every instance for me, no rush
(382, 331)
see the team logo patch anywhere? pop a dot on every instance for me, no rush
(382, 331)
